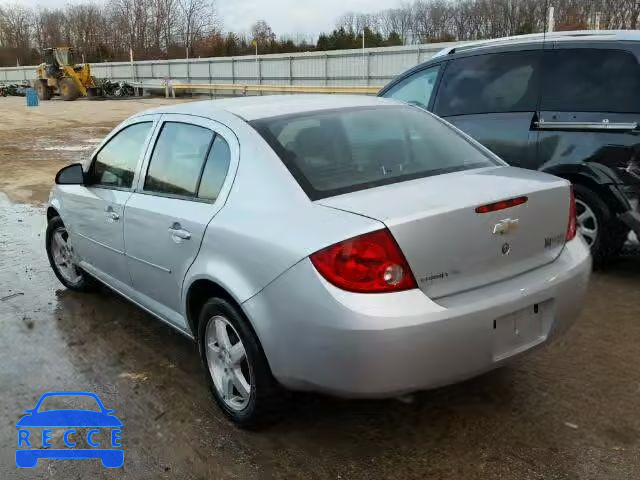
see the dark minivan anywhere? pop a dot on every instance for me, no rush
(566, 103)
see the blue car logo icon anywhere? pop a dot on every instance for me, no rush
(68, 419)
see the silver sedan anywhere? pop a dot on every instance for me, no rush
(343, 244)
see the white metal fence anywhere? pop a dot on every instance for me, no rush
(371, 66)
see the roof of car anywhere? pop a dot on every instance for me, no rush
(257, 107)
(576, 35)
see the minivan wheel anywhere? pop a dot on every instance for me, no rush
(62, 258)
(601, 230)
(236, 368)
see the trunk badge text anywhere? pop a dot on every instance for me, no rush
(506, 226)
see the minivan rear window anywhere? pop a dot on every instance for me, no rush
(331, 152)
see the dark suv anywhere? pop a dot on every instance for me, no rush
(566, 103)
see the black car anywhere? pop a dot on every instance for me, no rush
(566, 103)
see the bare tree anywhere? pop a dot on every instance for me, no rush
(262, 34)
(197, 19)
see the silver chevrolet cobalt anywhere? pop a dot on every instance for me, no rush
(343, 244)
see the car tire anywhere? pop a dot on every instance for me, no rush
(260, 406)
(84, 282)
(603, 232)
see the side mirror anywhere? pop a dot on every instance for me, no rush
(71, 175)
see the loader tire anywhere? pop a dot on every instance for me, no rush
(41, 86)
(68, 89)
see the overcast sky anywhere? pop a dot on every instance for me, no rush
(286, 17)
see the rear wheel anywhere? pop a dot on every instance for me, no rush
(237, 370)
(601, 230)
(42, 88)
(68, 89)
(62, 258)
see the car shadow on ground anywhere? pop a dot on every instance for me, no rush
(106, 330)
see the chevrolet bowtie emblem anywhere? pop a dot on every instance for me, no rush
(506, 226)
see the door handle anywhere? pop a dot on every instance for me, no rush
(110, 214)
(176, 230)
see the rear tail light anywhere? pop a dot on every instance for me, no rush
(572, 229)
(369, 263)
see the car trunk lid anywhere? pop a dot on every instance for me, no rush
(449, 246)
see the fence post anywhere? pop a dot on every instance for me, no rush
(210, 80)
(368, 72)
(233, 74)
(326, 69)
(290, 70)
(260, 73)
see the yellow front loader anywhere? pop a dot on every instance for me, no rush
(59, 75)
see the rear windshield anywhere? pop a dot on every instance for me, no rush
(331, 152)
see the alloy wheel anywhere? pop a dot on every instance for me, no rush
(227, 362)
(63, 256)
(587, 222)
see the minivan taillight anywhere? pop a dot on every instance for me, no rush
(572, 229)
(369, 263)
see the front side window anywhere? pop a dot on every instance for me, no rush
(492, 83)
(416, 89)
(115, 164)
(339, 151)
(178, 158)
(591, 80)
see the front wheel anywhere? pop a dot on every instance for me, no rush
(237, 370)
(62, 258)
(602, 231)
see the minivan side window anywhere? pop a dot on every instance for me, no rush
(177, 160)
(215, 170)
(416, 89)
(591, 80)
(115, 164)
(491, 83)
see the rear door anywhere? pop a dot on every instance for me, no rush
(97, 210)
(589, 110)
(493, 97)
(180, 190)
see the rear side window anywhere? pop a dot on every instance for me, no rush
(215, 170)
(178, 159)
(416, 89)
(591, 80)
(492, 83)
(331, 152)
(115, 164)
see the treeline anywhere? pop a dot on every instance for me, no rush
(179, 28)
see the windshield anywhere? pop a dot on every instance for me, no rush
(332, 152)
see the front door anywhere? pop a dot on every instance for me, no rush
(493, 98)
(96, 226)
(165, 219)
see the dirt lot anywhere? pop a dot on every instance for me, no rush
(569, 411)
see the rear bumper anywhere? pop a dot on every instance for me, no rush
(317, 337)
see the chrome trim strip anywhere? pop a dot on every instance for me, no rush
(148, 263)
(99, 243)
(544, 125)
